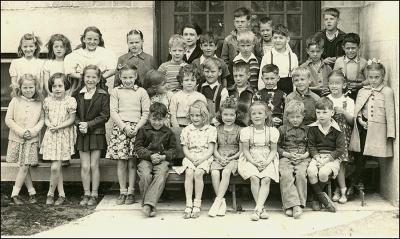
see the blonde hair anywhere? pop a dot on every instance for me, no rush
(202, 106)
(268, 113)
(294, 106)
(300, 71)
(38, 96)
(175, 40)
(246, 37)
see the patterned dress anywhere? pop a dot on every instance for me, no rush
(59, 145)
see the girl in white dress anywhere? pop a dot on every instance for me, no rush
(259, 160)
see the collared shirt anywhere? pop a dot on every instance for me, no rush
(309, 99)
(333, 124)
(224, 92)
(319, 76)
(332, 36)
(292, 139)
(352, 68)
(254, 66)
(189, 52)
(203, 58)
(88, 94)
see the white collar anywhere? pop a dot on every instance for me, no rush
(189, 51)
(240, 57)
(333, 124)
(216, 83)
(286, 52)
(203, 58)
(347, 60)
(332, 36)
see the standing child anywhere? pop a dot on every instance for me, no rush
(214, 91)
(155, 146)
(198, 140)
(327, 148)
(93, 111)
(265, 24)
(375, 125)
(59, 139)
(293, 149)
(177, 47)
(226, 153)
(135, 57)
(246, 41)
(259, 160)
(25, 119)
(352, 64)
(344, 116)
(282, 56)
(29, 63)
(271, 95)
(129, 109)
(155, 85)
(58, 47)
(318, 67)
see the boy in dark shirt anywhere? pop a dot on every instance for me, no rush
(155, 146)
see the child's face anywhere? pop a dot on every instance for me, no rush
(177, 53)
(258, 115)
(58, 88)
(28, 88)
(295, 118)
(245, 48)
(302, 82)
(330, 22)
(351, 50)
(91, 79)
(212, 73)
(270, 80)
(241, 76)
(156, 122)
(128, 77)
(266, 31)
(241, 23)
(280, 41)
(188, 82)
(28, 48)
(228, 116)
(315, 52)
(59, 49)
(208, 49)
(336, 85)
(135, 43)
(195, 117)
(91, 40)
(324, 116)
(374, 77)
(162, 88)
(190, 36)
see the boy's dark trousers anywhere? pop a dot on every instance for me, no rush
(359, 158)
(152, 180)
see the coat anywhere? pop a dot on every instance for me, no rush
(381, 121)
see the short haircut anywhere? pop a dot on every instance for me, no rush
(208, 37)
(317, 40)
(210, 62)
(129, 67)
(270, 68)
(337, 73)
(324, 103)
(281, 30)
(38, 96)
(177, 40)
(194, 26)
(265, 20)
(246, 37)
(352, 38)
(229, 103)
(158, 110)
(301, 70)
(331, 11)
(242, 11)
(135, 32)
(268, 113)
(63, 77)
(294, 106)
(152, 79)
(376, 66)
(188, 69)
(58, 37)
(202, 106)
(36, 41)
(239, 65)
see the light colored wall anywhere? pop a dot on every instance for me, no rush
(44, 18)
(349, 14)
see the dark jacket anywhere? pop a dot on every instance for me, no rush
(150, 141)
(244, 101)
(333, 48)
(197, 52)
(97, 114)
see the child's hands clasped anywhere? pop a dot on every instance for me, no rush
(157, 158)
(83, 127)
(27, 135)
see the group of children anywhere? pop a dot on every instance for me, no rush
(254, 112)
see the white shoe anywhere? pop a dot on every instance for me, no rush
(215, 207)
(222, 208)
(336, 195)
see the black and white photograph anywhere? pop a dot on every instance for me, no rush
(199, 119)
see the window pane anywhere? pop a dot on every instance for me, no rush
(259, 6)
(294, 24)
(179, 21)
(276, 6)
(293, 5)
(217, 25)
(181, 6)
(277, 19)
(201, 20)
(199, 6)
(4, 134)
(216, 6)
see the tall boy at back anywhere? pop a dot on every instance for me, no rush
(333, 36)
(283, 57)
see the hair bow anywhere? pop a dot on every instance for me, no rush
(373, 60)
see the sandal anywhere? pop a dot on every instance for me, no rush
(187, 212)
(195, 212)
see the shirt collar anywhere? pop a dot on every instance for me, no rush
(333, 124)
(240, 57)
(140, 55)
(134, 87)
(301, 126)
(286, 52)
(85, 90)
(212, 86)
(29, 100)
(347, 60)
(335, 34)
(379, 88)
(193, 128)
(203, 58)
(190, 51)
(308, 92)
(149, 126)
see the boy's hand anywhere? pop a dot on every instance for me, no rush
(363, 123)
(329, 60)
(325, 91)
(276, 121)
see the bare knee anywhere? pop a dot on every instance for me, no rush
(24, 169)
(55, 168)
(323, 175)
(189, 173)
(198, 174)
(215, 174)
(226, 173)
(265, 181)
(254, 180)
